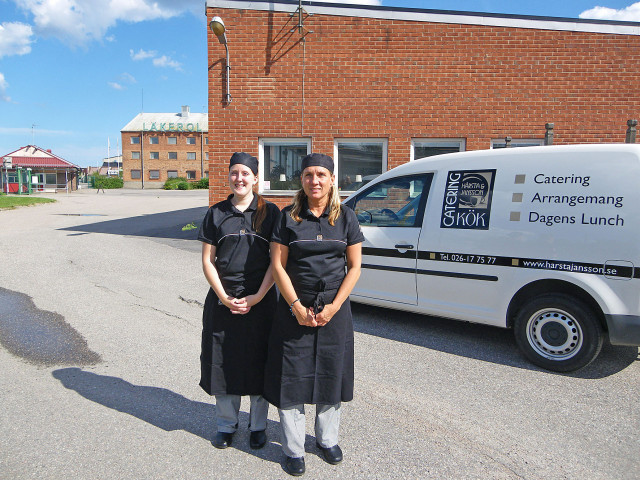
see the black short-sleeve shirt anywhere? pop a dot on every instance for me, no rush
(242, 254)
(317, 250)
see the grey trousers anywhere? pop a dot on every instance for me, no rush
(228, 406)
(292, 423)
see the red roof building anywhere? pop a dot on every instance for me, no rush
(46, 172)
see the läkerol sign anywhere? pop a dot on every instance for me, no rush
(171, 127)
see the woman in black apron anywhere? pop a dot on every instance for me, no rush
(316, 253)
(239, 308)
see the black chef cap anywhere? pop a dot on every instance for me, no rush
(244, 159)
(318, 160)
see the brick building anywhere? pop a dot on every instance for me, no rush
(158, 146)
(375, 87)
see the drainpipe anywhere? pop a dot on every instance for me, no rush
(548, 135)
(631, 131)
(142, 158)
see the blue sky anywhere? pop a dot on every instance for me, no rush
(72, 75)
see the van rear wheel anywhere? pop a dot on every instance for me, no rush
(558, 332)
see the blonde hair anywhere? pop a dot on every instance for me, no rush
(334, 205)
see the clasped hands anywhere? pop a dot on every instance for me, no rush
(240, 306)
(307, 317)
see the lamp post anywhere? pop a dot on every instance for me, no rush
(217, 27)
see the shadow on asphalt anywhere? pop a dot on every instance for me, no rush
(168, 410)
(481, 342)
(155, 225)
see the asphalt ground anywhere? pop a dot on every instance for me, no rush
(100, 318)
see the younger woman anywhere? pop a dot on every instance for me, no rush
(239, 308)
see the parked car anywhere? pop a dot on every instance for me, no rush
(543, 240)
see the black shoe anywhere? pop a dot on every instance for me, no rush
(257, 439)
(294, 466)
(332, 455)
(222, 440)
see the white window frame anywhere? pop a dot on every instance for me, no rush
(192, 156)
(191, 140)
(154, 141)
(462, 142)
(530, 142)
(261, 173)
(172, 140)
(336, 160)
(169, 156)
(191, 174)
(135, 140)
(154, 155)
(135, 155)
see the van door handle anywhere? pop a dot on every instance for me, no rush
(402, 246)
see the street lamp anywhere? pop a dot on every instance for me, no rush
(217, 27)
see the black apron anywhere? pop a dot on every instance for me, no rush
(234, 347)
(312, 365)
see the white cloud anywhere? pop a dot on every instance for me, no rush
(629, 14)
(3, 89)
(15, 38)
(115, 85)
(142, 54)
(127, 77)
(78, 22)
(165, 61)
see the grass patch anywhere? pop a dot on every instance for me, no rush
(191, 226)
(9, 201)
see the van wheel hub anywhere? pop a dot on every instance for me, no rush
(554, 334)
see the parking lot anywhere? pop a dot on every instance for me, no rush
(100, 317)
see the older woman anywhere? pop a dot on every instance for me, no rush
(315, 255)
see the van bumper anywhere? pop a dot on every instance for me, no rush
(624, 329)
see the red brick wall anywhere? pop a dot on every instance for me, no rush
(163, 164)
(402, 80)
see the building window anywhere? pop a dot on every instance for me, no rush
(191, 140)
(135, 140)
(154, 174)
(173, 155)
(172, 140)
(517, 142)
(50, 179)
(280, 162)
(206, 140)
(191, 174)
(154, 155)
(206, 173)
(206, 155)
(359, 161)
(428, 147)
(172, 174)
(135, 155)
(153, 140)
(191, 155)
(135, 174)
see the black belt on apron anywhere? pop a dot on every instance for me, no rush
(316, 295)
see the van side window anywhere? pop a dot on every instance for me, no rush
(398, 202)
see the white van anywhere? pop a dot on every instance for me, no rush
(544, 240)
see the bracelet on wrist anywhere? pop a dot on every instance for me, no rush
(291, 304)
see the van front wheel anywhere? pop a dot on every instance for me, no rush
(558, 332)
